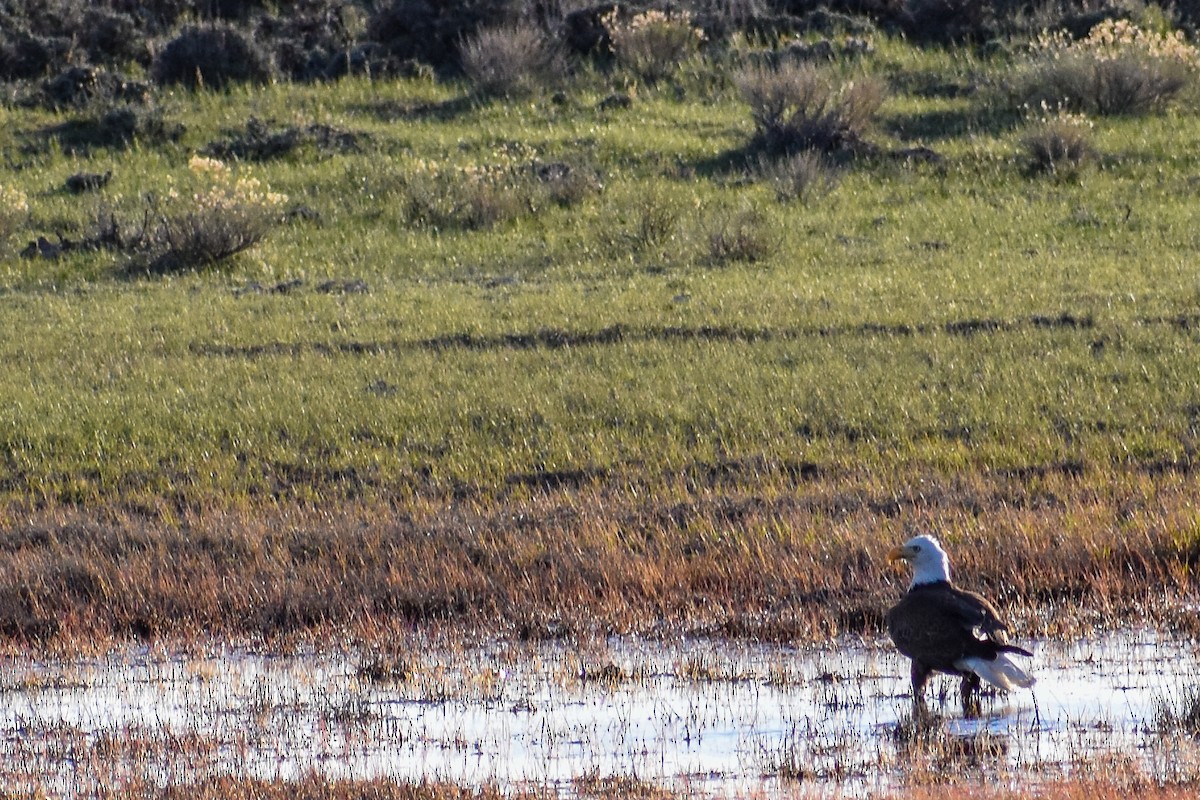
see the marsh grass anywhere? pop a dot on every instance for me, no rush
(1180, 714)
(799, 565)
(317, 787)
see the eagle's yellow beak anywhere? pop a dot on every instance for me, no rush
(898, 554)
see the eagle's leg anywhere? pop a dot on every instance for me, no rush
(970, 695)
(920, 676)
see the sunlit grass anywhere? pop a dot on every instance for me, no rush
(941, 319)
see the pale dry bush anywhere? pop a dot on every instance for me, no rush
(1119, 68)
(224, 214)
(797, 106)
(14, 211)
(652, 44)
(1058, 142)
(742, 235)
(474, 197)
(802, 176)
(510, 59)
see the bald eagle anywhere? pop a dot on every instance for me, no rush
(946, 629)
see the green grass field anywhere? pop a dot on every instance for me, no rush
(921, 324)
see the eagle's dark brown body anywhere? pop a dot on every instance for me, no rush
(938, 625)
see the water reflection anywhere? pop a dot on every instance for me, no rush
(711, 716)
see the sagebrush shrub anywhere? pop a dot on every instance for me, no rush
(111, 37)
(212, 56)
(24, 55)
(797, 106)
(14, 211)
(802, 176)
(223, 215)
(509, 59)
(469, 198)
(565, 184)
(652, 44)
(743, 235)
(1119, 68)
(430, 32)
(1058, 143)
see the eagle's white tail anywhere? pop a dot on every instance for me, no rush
(1001, 672)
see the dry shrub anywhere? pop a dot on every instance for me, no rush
(469, 198)
(111, 37)
(509, 60)
(655, 221)
(430, 32)
(14, 211)
(743, 235)
(316, 39)
(802, 176)
(798, 106)
(652, 44)
(566, 184)
(225, 216)
(261, 141)
(1058, 144)
(84, 87)
(1118, 69)
(115, 128)
(212, 56)
(24, 55)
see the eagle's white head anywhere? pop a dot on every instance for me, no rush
(928, 560)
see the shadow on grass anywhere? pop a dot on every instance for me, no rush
(548, 338)
(941, 124)
(116, 129)
(444, 111)
(740, 160)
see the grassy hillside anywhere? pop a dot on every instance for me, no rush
(556, 301)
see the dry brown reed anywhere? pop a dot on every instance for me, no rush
(1063, 790)
(314, 787)
(772, 553)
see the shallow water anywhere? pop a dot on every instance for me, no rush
(703, 716)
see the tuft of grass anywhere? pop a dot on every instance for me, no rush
(1181, 715)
